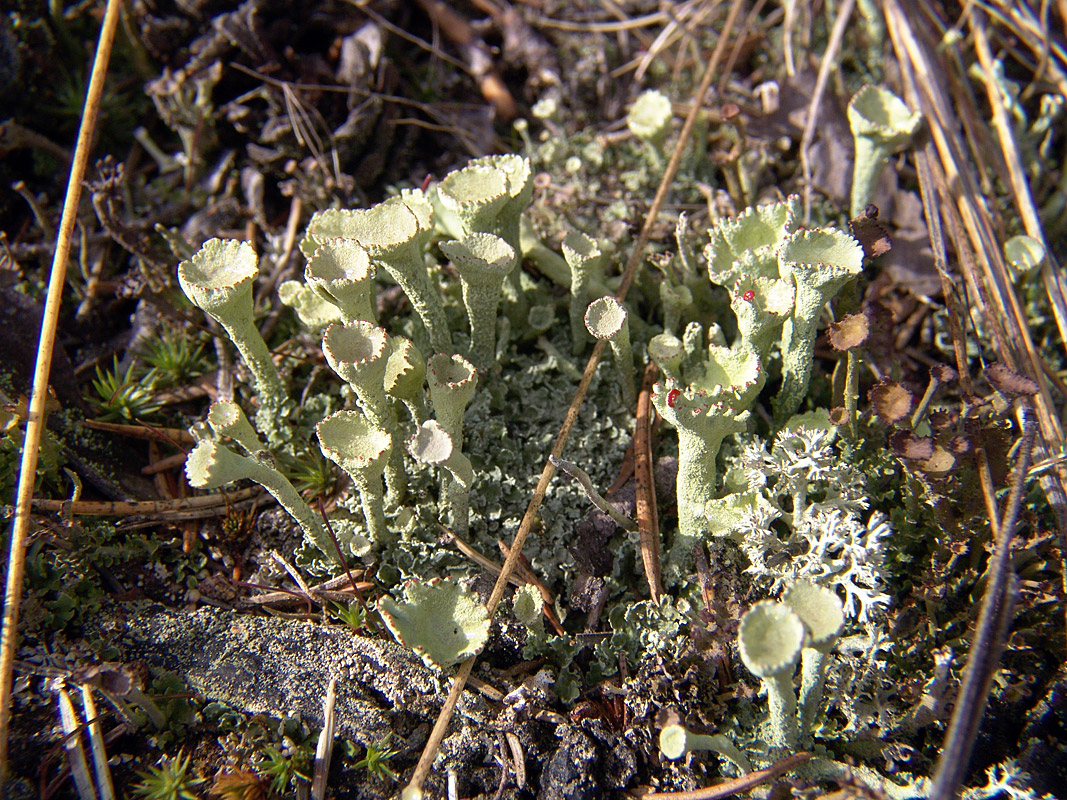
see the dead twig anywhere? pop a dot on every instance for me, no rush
(183, 507)
(737, 785)
(39, 393)
(479, 57)
(645, 498)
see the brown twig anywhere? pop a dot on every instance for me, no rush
(162, 508)
(647, 516)
(414, 788)
(39, 394)
(736, 785)
(328, 590)
(479, 57)
(175, 436)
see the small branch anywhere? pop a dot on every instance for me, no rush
(183, 506)
(647, 516)
(39, 394)
(725, 789)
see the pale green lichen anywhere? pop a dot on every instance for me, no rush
(440, 620)
(218, 280)
(606, 319)
(362, 450)
(432, 445)
(395, 234)
(483, 262)
(340, 271)
(586, 261)
(226, 418)
(769, 640)
(824, 617)
(675, 741)
(649, 119)
(747, 245)
(881, 124)
(819, 263)
(702, 420)
(211, 465)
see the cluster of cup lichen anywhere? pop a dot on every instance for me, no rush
(433, 395)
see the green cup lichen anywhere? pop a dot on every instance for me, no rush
(432, 445)
(483, 261)
(341, 272)
(770, 639)
(881, 124)
(819, 263)
(440, 620)
(606, 318)
(211, 465)
(395, 234)
(362, 450)
(218, 280)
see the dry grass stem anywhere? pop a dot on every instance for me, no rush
(42, 368)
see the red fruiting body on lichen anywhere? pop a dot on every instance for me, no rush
(672, 397)
(749, 296)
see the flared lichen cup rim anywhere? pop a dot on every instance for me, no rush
(517, 170)
(874, 111)
(211, 465)
(580, 249)
(405, 368)
(431, 444)
(357, 343)
(694, 410)
(339, 261)
(759, 226)
(605, 318)
(730, 371)
(480, 257)
(665, 347)
(352, 441)
(770, 639)
(819, 608)
(383, 230)
(821, 251)
(750, 237)
(219, 273)
(451, 371)
(768, 295)
(223, 415)
(474, 186)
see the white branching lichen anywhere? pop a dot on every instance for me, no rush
(831, 541)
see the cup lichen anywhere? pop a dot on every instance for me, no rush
(218, 280)
(483, 261)
(881, 124)
(606, 318)
(362, 450)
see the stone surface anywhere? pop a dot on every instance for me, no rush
(266, 665)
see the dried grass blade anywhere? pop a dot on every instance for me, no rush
(39, 394)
